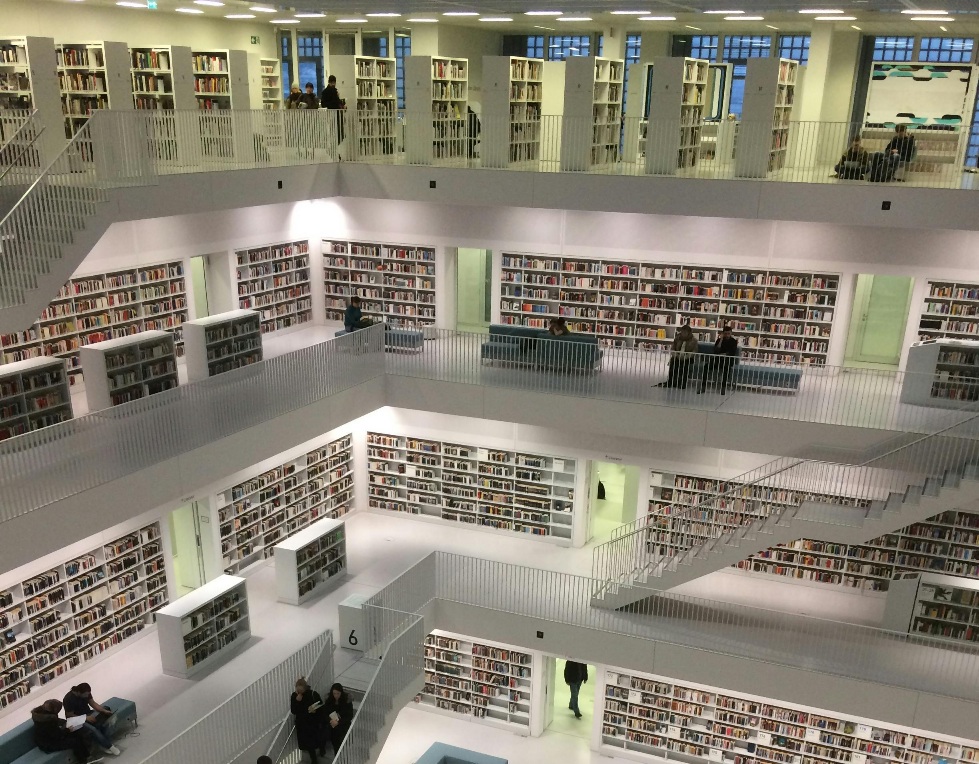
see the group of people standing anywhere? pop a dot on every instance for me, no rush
(320, 721)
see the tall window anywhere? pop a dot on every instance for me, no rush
(601, 45)
(382, 45)
(565, 46)
(953, 50)
(795, 47)
(893, 48)
(633, 45)
(535, 46)
(310, 47)
(972, 153)
(285, 48)
(737, 50)
(402, 49)
(704, 46)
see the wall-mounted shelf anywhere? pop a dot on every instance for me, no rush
(274, 280)
(311, 562)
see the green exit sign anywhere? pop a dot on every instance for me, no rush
(151, 4)
(255, 39)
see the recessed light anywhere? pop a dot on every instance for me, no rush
(212, 3)
(770, 26)
(723, 13)
(690, 27)
(240, 16)
(130, 4)
(925, 13)
(943, 29)
(495, 18)
(630, 13)
(931, 18)
(310, 15)
(854, 26)
(658, 18)
(543, 13)
(260, 9)
(423, 21)
(283, 21)
(351, 21)
(744, 18)
(820, 12)
(575, 18)
(386, 14)
(835, 18)
(460, 13)
(188, 10)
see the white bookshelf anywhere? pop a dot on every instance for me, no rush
(487, 680)
(29, 80)
(592, 118)
(311, 562)
(202, 628)
(368, 84)
(934, 605)
(129, 368)
(104, 306)
(221, 343)
(677, 99)
(75, 612)
(942, 373)
(636, 119)
(950, 311)
(93, 76)
(436, 100)
(221, 84)
(258, 513)
(274, 280)
(651, 718)
(212, 79)
(163, 78)
(769, 98)
(396, 283)
(271, 84)
(509, 491)
(33, 394)
(780, 316)
(513, 96)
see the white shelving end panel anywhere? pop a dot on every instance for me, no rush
(293, 584)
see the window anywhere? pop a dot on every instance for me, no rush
(601, 45)
(402, 49)
(972, 153)
(535, 46)
(953, 50)
(795, 47)
(310, 47)
(382, 45)
(560, 48)
(285, 48)
(893, 48)
(704, 46)
(737, 50)
(633, 44)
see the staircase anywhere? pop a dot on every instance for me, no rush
(785, 501)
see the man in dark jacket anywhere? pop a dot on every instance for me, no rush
(575, 674)
(353, 317)
(718, 366)
(79, 702)
(330, 99)
(51, 733)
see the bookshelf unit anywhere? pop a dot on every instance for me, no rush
(204, 627)
(485, 680)
(396, 283)
(942, 373)
(950, 311)
(271, 84)
(510, 491)
(513, 95)
(92, 76)
(222, 343)
(255, 515)
(274, 280)
(76, 611)
(128, 368)
(212, 79)
(29, 80)
(33, 394)
(312, 562)
(781, 316)
(677, 99)
(104, 306)
(436, 100)
(592, 119)
(934, 605)
(368, 85)
(651, 718)
(769, 96)
(636, 119)
(163, 78)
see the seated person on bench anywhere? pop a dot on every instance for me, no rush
(558, 328)
(79, 702)
(901, 149)
(854, 163)
(353, 318)
(51, 733)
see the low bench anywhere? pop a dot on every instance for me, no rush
(397, 339)
(440, 753)
(525, 345)
(17, 746)
(757, 376)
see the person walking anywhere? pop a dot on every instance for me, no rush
(305, 705)
(339, 714)
(575, 674)
(718, 366)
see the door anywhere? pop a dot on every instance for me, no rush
(191, 547)
(878, 321)
(613, 496)
(198, 286)
(474, 289)
(558, 717)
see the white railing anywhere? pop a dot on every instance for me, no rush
(250, 716)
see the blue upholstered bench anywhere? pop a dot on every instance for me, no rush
(17, 746)
(440, 753)
(396, 338)
(759, 376)
(535, 347)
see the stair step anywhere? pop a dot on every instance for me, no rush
(932, 487)
(913, 494)
(893, 502)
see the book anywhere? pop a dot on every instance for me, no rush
(75, 722)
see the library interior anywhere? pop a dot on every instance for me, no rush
(653, 434)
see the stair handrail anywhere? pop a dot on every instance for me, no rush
(23, 150)
(611, 560)
(29, 115)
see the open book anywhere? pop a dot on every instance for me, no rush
(74, 722)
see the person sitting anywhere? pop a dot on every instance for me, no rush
(558, 328)
(682, 353)
(79, 702)
(51, 733)
(353, 317)
(899, 152)
(854, 163)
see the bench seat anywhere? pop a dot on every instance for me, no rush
(402, 339)
(440, 753)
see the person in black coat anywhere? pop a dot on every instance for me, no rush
(339, 713)
(575, 674)
(718, 366)
(306, 706)
(51, 733)
(330, 99)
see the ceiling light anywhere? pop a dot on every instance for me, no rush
(943, 29)
(854, 26)
(130, 4)
(240, 16)
(387, 14)
(460, 13)
(575, 18)
(658, 18)
(820, 12)
(542, 13)
(770, 26)
(835, 18)
(188, 10)
(931, 18)
(423, 21)
(723, 13)
(630, 13)
(260, 9)
(925, 13)
(310, 15)
(495, 18)
(212, 3)
(351, 21)
(690, 27)
(284, 21)
(744, 18)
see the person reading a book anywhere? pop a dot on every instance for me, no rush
(98, 718)
(339, 712)
(306, 705)
(353, 316)
(52, 733)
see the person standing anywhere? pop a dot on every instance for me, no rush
(575, 674)
(718, 366)
(330, 99)
(306, 706)
(339, 713)
(79, 702)
(681, 355)
(51, 733)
